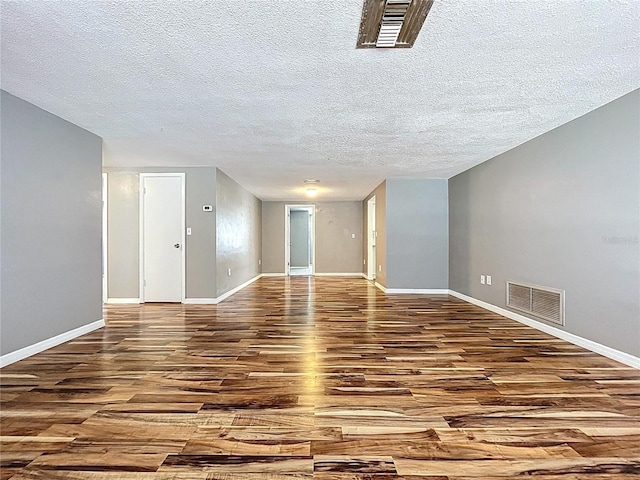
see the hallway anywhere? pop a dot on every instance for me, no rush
(323, 378)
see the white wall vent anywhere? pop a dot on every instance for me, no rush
(542, 302)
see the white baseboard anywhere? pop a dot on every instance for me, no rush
(609, 352)
(215, 301)
(200, 301)
(413, 291)
(343, 274)
(25, 352)
(122, 300)
(419, 291)
(238, 288)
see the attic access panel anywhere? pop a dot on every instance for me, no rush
(391, 23)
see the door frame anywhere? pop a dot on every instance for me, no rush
(287, 235)
(141, 230)
(371, 234)
(105, 238)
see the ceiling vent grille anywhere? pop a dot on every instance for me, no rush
(392, 20)
(391, 23)
(543, 302)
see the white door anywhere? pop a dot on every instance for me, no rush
(162, 240)
(371, 238)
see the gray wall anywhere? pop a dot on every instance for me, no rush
(122, 238)
(417, 234)
(123, 230)
(336, 251)
(239, 233)
(51, 211)
(561, 210)
(273, 237)
(381, 227)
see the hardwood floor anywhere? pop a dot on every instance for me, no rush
(323, 378)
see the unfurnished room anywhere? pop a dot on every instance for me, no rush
(328, 239)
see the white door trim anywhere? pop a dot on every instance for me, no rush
(287, 235)
(141, 229)
(105, 238)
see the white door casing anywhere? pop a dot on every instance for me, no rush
(162, 239)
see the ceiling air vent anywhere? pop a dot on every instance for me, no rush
(391, 23)
(543, 302)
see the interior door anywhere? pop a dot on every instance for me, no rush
(299, 238)
(371, 238)
(162, 218)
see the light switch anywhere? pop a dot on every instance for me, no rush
(379, 268)
(353, 235)
(482, 279)
(229, 272)
(188, 230)
(488, 279)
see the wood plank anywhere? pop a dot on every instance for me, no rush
(325, 378)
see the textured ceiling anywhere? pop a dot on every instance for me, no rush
(273, 92)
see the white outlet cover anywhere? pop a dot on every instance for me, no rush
(379, 268)
(188, 230)
(482, 279)
(488, 279)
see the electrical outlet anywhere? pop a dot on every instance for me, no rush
(482, 279)
(188, 230)
(488, 279)
(229, 272)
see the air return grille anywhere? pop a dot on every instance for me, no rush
(391, 23)
(543, 302)
(392, 20)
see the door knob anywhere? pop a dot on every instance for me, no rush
(177, 245)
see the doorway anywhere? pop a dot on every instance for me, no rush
(299, 239)
(371, 238)
(162, 229)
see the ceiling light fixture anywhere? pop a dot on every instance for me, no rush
(312, 192)
(391, 23)
(311, 181)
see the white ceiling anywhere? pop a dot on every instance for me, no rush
(273, 92)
